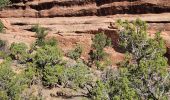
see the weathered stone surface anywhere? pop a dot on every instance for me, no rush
(76, 21)
(70, 31)
(56, 8)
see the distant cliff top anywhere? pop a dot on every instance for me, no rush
(70, 8)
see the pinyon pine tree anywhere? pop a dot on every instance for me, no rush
(143, 75)
(146, 65)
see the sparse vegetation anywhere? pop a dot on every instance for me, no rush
(52, 74)
(2, 43)
(51, 41)
(143, 75)
(12, 84)
(100, 41)
(97, 55)
(78, 76)
(1, 27)
(19, 51)
(76, 53)
(147, 60)
(47, 55)
(41, 33)
(3, 3)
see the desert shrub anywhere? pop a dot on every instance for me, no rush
(51, 41)
(77, 76)
(98, 55)
(7, 77)
(41, 33)
(120, 87)
(52, 75)
(31, 73)
(143, 74)
(101, 65)
(12, 85)
(6, 74)
(2, 43)
(35, 28)
(71, 77)
(76, 53)
(3, 49)
(1, 26)
(47, 55)
(100, 41)
(99, 91)
(146, 66)
(113, 85)
(3, 54)
(20, 82)
(16, 86)
(3, 3)
(3, 95)
(19, 51)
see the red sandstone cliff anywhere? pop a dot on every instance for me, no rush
(55, 8)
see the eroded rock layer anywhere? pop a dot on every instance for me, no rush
(70, 8)
(96, 16)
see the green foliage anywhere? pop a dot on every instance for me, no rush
(1, 26)
(100, 41)
(146, 66)
(52, 74)
(113, 85)
(2, 48)
(6, 75)
(47, 55)
(71, 77)
(143, 75)
(76, 53)
(3, 3)
(120, 87)
(21, 81)
(35, 28)
(3, 95)
(3, 53)
(40, 34)
(19, 51)
(77, 76)
(16, 86)
(98, 56)
(132, 36)
(30, 73)
(99, 91)
(10, 84)
(51, 41)
(2, 43)
(101, 65)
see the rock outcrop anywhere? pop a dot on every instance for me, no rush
(96, 15)
(69, 8)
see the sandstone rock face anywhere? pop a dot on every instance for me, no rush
(70, 31)
(76, 21)
(69, 8)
